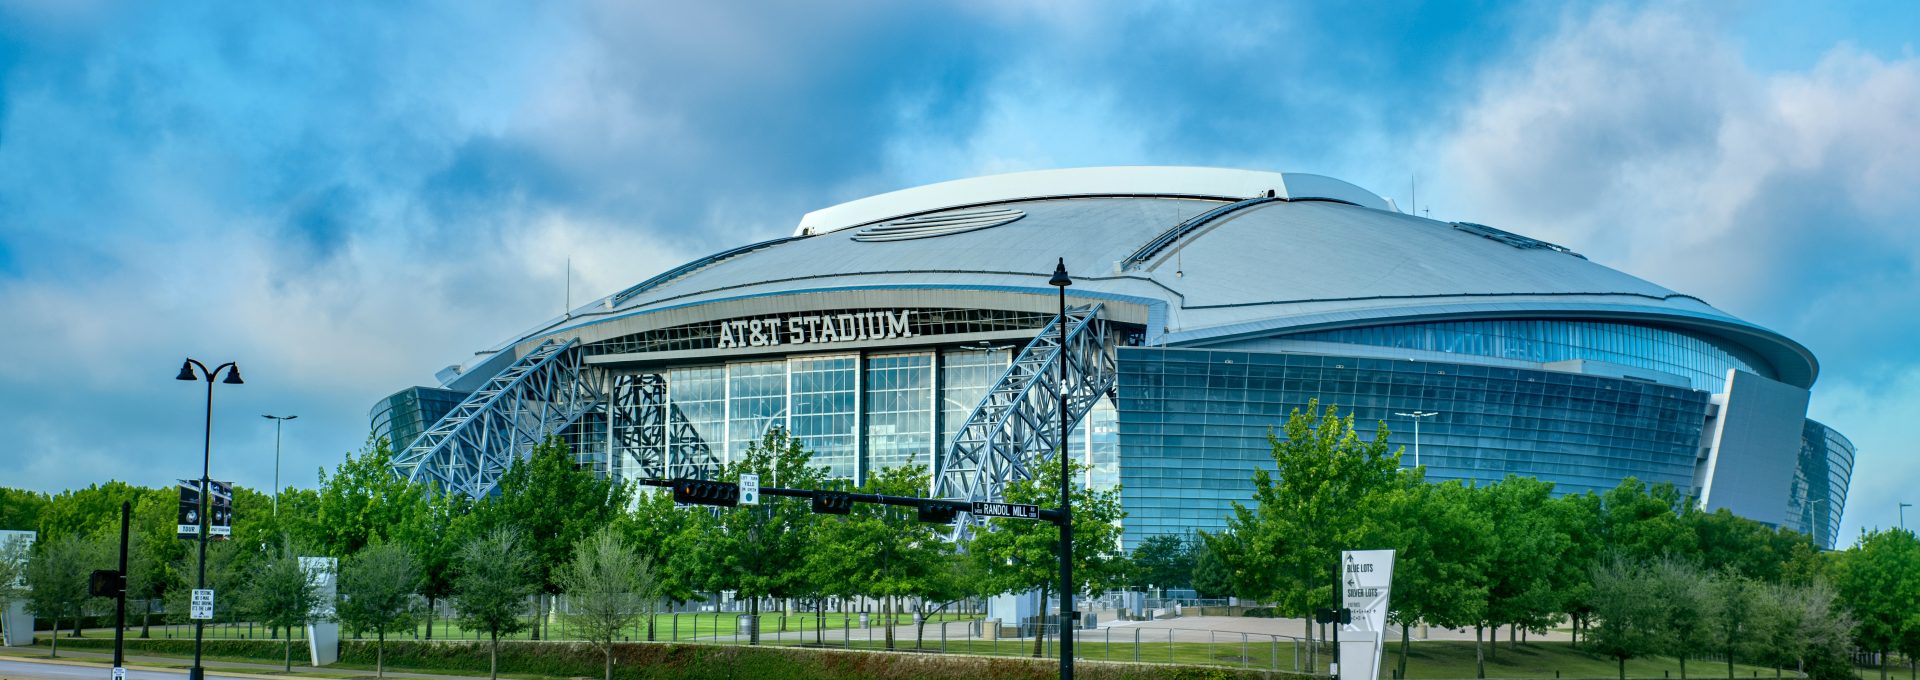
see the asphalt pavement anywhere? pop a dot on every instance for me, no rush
(12, 669)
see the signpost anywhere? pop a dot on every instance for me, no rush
(1011, 510)
(1366, 580)
(201, 606)
(749, 489)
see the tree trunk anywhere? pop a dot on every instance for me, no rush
(650, 617)
(609, 650)
(886, 617)
(493, 658)
(1729, 659)
(429, 618)
(753, 620)
(534, 632)
(819, 624)
(1040, 628)
(146, 615)
(1493, 642)
(1623, 666)
(1479, 658)
(56, 645)
(1683, 666)
(1406, 640)
(286, 655)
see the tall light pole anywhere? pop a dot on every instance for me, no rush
(206, 486)
(277, 422)
(1903, 515)
(1417, 416)
(1061, 280)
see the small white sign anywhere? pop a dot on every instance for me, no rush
(749, 489)
(201, 606)
(119, 673)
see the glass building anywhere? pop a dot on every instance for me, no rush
(902, 329)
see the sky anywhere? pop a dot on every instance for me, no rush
(344, 197)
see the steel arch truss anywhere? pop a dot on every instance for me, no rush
(652, 433)
(536, 396)
(1016, 427)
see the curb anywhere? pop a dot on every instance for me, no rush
(143, 667)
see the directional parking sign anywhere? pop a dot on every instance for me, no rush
(1013, 510)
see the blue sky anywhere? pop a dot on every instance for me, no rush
(346, 196)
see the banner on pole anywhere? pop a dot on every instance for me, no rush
(219, 509)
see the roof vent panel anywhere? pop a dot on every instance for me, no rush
(929, 226)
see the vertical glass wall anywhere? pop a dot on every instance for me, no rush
(899, 408)
(823, 410)
(1819, 492)
(700, 396)
(756, 402)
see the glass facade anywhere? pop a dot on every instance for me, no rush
(899, 408)
(1193, 425)
(401, 418)
(699, 397)
(756, 402)
(1700, 360)
(1820, 481)
(823, 410)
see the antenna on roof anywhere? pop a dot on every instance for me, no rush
(568, 310)
(1413, 187)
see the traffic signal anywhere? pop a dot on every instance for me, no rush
(105, 583)
(937, 512)
(832, 502)
(703, 492)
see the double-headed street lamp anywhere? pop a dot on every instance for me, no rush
(1417, 416)
(1067, 615)
(206, 484)
(277, 422)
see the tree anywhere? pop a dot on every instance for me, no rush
(1879, 582)
(377, 586)
(1324, 493)
(1576, 517)
(1735, 613)
(363, 502)
(493, 579)
(57, 580)
(1687, 609)
(280, 594)
(1211, 577)
(436, 536)
(1525, 545)
(13, 575)
(1442, 556)
(757, 547)
(1627, 617)
(1803, 623)
(1163, 560)
(20, 509)
(1019, 555)
(608, 587)
(555, 503)
(881, 551)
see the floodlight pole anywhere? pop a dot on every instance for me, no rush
(1417, 416)
(206, 490)
(1903, 515)
(277, 422)
(1068, 617)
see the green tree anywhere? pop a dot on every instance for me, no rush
(436, 537)
(1442, 556)
(493, 579)
(608, 587)
(363, 502)
(1211, 576)
(1878, 580)
(1525, 543)
(757, 547)
(1626, 613)
(1577, 518)
(57, 580)
(20, 509)
(952, 578)
(146, 574)
(377, 586)
(1687, 608)
(1163, 560)
(279, 594)
(1021, 555)
(659, 531)
(882, 551)
(1804, 627)
(555, 503)
(1735, 614)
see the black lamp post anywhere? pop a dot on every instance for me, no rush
(1067, 615)
(206, 485)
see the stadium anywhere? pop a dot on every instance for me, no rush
(919, 327)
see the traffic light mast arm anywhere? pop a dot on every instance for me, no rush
(879, 499)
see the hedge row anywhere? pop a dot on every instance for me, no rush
(662, 661)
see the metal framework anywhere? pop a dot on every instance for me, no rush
(1016, 427)
(537, 396)
(654, 434)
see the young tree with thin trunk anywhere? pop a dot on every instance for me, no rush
(57, 580)
(493, 579)
(1687, 608)
(1019, 555)
(281, 595)
(608, 587)
(1735, 615)
(377, 587)
(1627, 617)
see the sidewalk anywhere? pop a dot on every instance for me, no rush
(265, 671)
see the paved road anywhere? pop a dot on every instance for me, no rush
(17, 670)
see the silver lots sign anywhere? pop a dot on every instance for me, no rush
(814, 329)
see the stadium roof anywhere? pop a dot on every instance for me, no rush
(1217, 254)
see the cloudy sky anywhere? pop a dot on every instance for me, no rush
(345, 196)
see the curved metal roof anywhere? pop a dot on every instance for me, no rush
(1317, 254)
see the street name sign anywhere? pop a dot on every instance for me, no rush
(1013, 510)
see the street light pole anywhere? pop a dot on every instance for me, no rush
(277, 422)
(206, 486)
(1417, 416)
(1067, 615)
(1903, 515)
